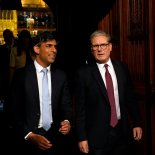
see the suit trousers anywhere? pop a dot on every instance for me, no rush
(116, 144)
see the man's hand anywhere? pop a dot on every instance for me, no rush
(83, 145)
(40, 141)
(65, 127)
(137, 133)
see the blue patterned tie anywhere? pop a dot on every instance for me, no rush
(110, 91)
(45, 101)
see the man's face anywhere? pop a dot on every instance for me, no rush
(46, 52)
(101, 49)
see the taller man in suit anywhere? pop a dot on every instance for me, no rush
(95, 132)
(26, 102)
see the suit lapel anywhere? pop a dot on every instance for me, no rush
(53, 85)
(31, 81)
(98, 78)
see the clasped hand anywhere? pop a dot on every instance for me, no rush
(65, 127)
(42, 142)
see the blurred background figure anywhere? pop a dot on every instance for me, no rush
(22, 53)
(5, 50)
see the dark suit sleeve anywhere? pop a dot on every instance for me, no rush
(80, 105)
(66, 101)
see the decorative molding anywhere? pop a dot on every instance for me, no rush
(137, 28)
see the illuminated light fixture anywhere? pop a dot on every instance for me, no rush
(34, 3)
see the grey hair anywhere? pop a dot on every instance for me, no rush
(100, 33)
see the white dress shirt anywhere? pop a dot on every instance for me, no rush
(114, 79)
(39, 77)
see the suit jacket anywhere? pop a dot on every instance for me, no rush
(24, 99)
(93, 107)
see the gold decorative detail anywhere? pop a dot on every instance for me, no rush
(33, 3)
(8, 20)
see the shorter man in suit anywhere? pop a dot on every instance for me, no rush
(26, 101)
(103, 129)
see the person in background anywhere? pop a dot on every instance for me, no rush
(97, 132)
(26, 102)
(5, 50)
(22, 53)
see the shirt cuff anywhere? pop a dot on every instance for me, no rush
(26, 137)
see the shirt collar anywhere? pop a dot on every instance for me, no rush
(39, 67)
(102, 64)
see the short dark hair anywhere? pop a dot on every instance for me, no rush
(6, 31)
(44, 37)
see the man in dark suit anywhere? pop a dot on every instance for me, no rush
(26, 102)
(95, 132)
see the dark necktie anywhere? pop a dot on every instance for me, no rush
(110, 91)
(45, 101)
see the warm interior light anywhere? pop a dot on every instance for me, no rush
(8, 20)
(35, 3)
